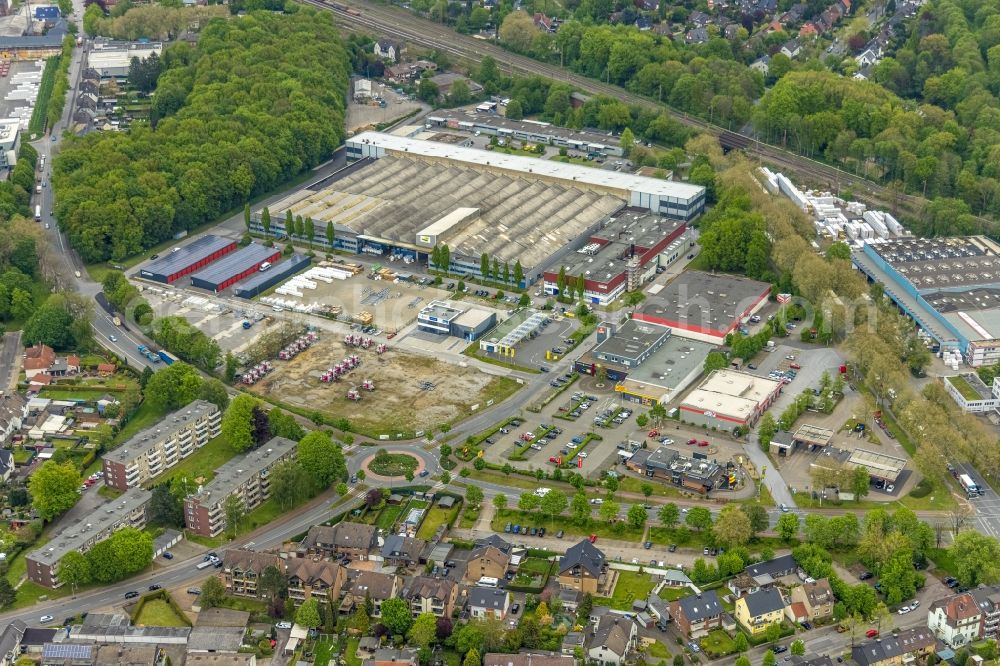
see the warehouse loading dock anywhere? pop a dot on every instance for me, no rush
(234, 267)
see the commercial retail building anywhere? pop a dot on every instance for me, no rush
(691, 473)
(704, 306)
(128, 510)
(156, 449)
(235, 266)
(187, 259)
(514, 330)
(245, 477)
(447, 318)
(727, 399)
(949, 286)
(646, 361)
(260, 282)
(111, 60)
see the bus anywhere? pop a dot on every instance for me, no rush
(968, 484)
(38, 213)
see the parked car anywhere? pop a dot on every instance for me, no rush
(45, 619)
(515, 609)
(284, 625)
(559, 534)
(647, 545)
(778, 649)
(672, 548)
(194, 591)
(867, 575)
(871, 633)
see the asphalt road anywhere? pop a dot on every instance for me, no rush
(10, 360)
(987, 506)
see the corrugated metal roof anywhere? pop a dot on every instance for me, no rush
(234, 263)
(283, 268)
(188, 254)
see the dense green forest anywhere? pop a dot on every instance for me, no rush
(258, 101)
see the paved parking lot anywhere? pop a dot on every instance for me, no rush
(814, 362)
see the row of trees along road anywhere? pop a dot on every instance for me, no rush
(258, 101)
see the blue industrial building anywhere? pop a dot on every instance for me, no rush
(259, 282)
(949, 286)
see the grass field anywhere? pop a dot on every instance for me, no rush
(158, 613)
(943, 562)
(630, 484)
(323, 653)
(673, 593)
(512, 480)
(388, 516)
(631, 585)
(351, 652)
(436, 517)
(658, 650)
(145, 416)
(200, 464)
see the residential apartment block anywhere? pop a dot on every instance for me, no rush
(956, 620)
(314, 578)
(242, 569)
(698, 614)
(431, 595)
(158, 448)
(245, 477)
(129, 510)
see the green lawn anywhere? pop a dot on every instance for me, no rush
(351, 652)
(393, 464)
(145, 416)
(244, 604)
(673, 593)
(388, 516)
(570, 526)
(631, 585)
(939, 499)
(658, 650)
(202, 463)
(582, 161)
(322, 653)
(511, 480)
(158, 613)
(535, 565)
(434, 518)
(630, 484)
(943, 562)
(718, 644)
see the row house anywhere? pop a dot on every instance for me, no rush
(377, 587)
(242, 569)
(314, 578)
(346, 539)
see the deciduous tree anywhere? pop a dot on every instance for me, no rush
(53, 488)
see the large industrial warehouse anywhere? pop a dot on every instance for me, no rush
(414, 195)
(949, 286)
(234, 267)
(704, 306)
(187, 259)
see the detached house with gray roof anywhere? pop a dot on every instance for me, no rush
(488, 602)
(612, 640)
(697, 614)
(585, 569)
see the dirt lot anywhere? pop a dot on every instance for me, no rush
(399, 307)
(398, 404)
(361, 117)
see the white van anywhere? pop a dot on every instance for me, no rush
(264, 266)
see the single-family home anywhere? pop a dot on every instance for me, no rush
(792, 48)
(870, 56)
(393, 657)
(527, 659)
(352, 540)
(10, 642)
(488, 602)
(584, 568)
(106, 369)
(612, 640)
(955, 620)
(37, 360)
(543, 22)
(388, 50)
(696, 36)
(402, 551)
(765, 573)
(431, 595)
(757, 611)
(13, 412)
(698, 614)
(817, 597)
(895, 649)
(742, 584)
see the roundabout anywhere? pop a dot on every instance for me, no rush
(388, 464)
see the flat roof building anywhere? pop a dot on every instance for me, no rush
(261, 281)
(152, 451)
(446, 318)
(647, 363)
(727, 399)
(235, 266)
(111, 60)
(704, 306)
(971, 394)
(245, 476)
(697, 474)
(187, 258)
(949, 286)
(621, 256)
(879, 465)
(128, 510)
(514, 330)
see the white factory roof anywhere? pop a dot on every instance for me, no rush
(735, 394)
(545, 168)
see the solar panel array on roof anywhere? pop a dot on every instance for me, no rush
(66, 651)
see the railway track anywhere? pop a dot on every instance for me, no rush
(403, 25)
